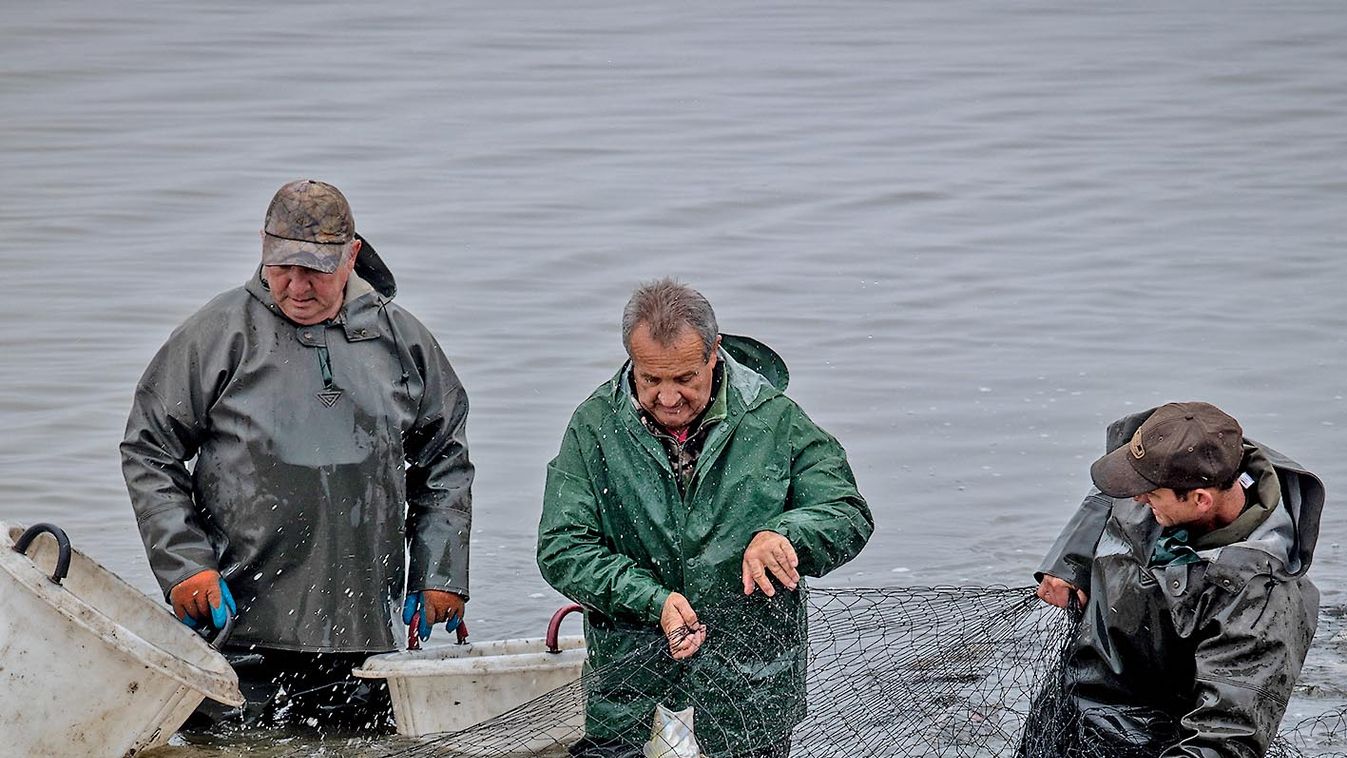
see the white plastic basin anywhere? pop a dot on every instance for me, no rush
(91, 666)
(454, 687)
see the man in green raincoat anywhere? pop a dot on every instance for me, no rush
(688, 499)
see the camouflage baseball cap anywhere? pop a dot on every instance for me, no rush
(1182, 446)
(308, 224)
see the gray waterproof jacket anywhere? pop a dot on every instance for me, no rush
(1197, 659)
(320, 457)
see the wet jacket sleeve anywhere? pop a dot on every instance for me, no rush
(1072, 554)
(1246, 669)
(439, 478)
(163, 432)
(826, 519)
(573, 554)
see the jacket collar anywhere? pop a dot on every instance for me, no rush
(743, 388)
(358, 317)
(714, 413)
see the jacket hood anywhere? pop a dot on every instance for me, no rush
(1293, 531)
(752, 354)
(370, 267)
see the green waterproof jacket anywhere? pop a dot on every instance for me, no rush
(617, 537)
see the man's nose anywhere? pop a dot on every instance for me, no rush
(298, 284)
(668, 398)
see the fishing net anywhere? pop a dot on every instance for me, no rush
(963, 671)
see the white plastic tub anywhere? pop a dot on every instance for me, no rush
(90, 666)
(451, 688)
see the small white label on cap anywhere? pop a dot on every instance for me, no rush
(1245, 480)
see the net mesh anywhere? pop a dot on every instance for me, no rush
(966, 671)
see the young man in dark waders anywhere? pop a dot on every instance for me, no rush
(325, 431)
(688, 484)
(1190, 561)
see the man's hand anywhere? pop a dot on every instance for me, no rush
(680, 625)
(769, 551)
(443, 606)
(435, 606)
(1054, 591)
(203, 597)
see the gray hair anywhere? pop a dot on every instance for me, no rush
(666, 307)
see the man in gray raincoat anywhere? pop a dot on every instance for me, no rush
(688, 498)
(324, 428)
(1190, 560)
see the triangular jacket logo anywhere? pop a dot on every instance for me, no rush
(329, 396)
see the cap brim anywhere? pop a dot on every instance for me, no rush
(1114, 476)
(277, 251)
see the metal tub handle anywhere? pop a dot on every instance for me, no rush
(62, 544)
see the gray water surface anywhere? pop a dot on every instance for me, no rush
(977, 233)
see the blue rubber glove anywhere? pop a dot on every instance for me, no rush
(414, 603)
(220, 614)
(410, 607)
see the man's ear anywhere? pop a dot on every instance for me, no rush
(1203, 499)
(356, 244)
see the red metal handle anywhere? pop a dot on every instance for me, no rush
(554, 626)
(414, 641)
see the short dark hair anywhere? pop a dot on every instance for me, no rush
(667, 307)
(1222, 486)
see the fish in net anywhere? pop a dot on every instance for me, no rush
(943, 671)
